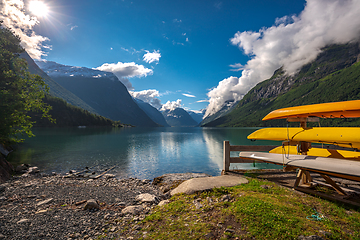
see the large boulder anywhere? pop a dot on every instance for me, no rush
(5, 167)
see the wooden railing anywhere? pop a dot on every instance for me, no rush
(237, 148)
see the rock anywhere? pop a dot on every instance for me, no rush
(3, 150)
(133, 210)
(197, 203)
(163, 202)
(145, 181)
(266, 186)
(225, 198)
(91, 204)
(5, 169)
(108, 175)
(24, 220)
(80, 202)
(44, 202)
(33, 170)
(22, 168)
(207, 183)
(312, 237)
(41, 211)
(2, 188)
(121, 204)
(228, 230)
(165, 188)
(147, 198)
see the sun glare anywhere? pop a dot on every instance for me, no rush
(38, 8)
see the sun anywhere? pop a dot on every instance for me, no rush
(38, 8)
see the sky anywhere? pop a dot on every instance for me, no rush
(191, 54)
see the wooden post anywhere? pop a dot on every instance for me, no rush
(333, 184)
(298, 178)
(226, 156)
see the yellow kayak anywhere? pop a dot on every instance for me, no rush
(346, 109)
(319, 152)
(341, 136)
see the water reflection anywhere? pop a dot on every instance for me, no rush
(137, 152)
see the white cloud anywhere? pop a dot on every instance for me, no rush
(188, 95)
(171, 105)
(12, 13)
(201, 101)
(126, 70)
(150, 96)
(73, 27)
(152, 57)
(292, 42)
(237, 67)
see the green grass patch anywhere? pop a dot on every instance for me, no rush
(257, 210)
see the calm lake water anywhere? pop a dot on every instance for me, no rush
(144, 153)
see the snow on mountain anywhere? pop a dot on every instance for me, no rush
(54, 69)
(178, 118)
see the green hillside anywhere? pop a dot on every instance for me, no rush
(333, 76)
(68, 115)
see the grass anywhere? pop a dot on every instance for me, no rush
(253, 212)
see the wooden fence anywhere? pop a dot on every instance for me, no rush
(237, 148)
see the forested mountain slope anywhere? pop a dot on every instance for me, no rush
(56, 90)
(333, 76)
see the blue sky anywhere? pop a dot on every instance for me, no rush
(191, 44)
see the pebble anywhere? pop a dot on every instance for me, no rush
(147, 198)
(163, 202)
(51, 206)
(133, 210)
(24, 220)
(91, 205)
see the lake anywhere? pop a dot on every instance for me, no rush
(144, 153)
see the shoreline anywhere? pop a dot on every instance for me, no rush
(53, 207)
(42, 206)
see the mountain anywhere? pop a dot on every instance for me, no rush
(152, 112)
(67, 115)
(227, 108)
(102, 91)
(197, 116)
(56, 89)
(179, 118)
(333, 76)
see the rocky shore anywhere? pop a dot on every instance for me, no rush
(40, 206)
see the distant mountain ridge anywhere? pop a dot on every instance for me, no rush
(179, 118)
(333, 76)
(152, 112)
(102, 91)
(197, 116)
(54, 69)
